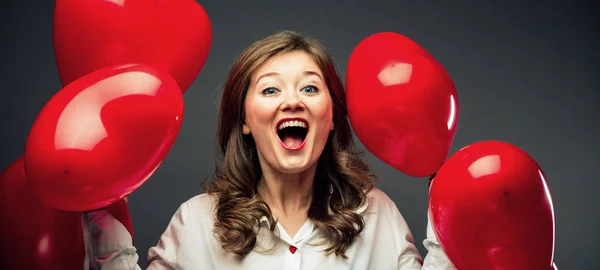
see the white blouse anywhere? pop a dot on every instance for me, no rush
(188, 243)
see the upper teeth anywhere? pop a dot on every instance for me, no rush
(292, 124)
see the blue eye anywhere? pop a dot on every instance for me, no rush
(310, 89)
(269, 91)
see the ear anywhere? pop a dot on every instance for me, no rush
(245, 129)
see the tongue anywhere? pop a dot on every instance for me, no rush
(292, 140)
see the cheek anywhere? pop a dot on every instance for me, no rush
(324, 112)
(257, 112)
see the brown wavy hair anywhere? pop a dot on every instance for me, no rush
(341, 175)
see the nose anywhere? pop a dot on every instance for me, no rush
(292, 102)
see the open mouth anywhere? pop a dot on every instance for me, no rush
(292, 133)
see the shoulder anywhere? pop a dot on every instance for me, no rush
(202, 204)
(380, 206)
(197, 210)
(379, 201)
(387, 232)
(195, 219)
(187, 242)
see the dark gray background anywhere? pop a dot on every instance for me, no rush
(526, 73)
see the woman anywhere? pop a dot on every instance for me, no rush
(291, 193)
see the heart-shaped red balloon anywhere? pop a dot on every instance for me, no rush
(171, 35)
(491, 208)
(102, 136)
(33, 236)
(402, 104)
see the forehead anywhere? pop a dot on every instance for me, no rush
(289, 63)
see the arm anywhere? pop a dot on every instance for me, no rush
(408, 254)
(109, 245)
(435, 258)
(165, 255)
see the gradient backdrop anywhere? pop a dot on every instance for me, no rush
(526, 73)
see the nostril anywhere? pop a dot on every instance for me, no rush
(292, 105)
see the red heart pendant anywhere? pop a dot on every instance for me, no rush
(174, 36)
(293, 249)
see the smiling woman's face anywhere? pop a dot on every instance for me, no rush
(288, 111)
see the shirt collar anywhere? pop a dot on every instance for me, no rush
(360, 210)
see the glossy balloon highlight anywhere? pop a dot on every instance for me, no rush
(101, 137)
(491, 208)
(402, 104)
(174, 36)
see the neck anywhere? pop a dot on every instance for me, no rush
(287, 195)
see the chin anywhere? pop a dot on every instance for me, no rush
(291, 166)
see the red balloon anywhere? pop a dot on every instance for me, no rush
(402, 104)
(491, 208)
(100, 137)
(33, 236)
(171, 35)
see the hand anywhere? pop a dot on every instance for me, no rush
(107, 234)
(109, 243)
(109, 228)
(433, 176)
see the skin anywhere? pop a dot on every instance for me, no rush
(288, 85)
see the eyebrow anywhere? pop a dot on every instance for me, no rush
(274, 74)
(310, 72)
(269, 74)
